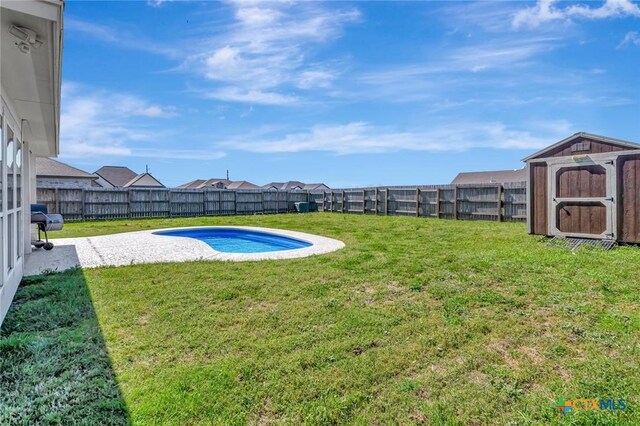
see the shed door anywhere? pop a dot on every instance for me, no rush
(582, 200)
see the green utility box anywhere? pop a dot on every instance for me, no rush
(302, 207)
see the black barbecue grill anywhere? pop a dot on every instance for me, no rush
(46, 222)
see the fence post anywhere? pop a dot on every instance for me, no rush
(364, 201)
(57, 200)
(437, 203)
(386, 201)
(376, 204)
(235, 202)
(417, 202)
(204, 202)
(129, 202)
(343, 209)
(455, 202)
(170, 208)
(500, 196)
(82, 205)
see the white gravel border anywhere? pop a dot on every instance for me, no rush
(144, 247)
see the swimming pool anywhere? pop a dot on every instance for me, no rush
(238, 240)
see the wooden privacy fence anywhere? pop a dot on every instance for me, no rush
(97, 203)
(499, 202)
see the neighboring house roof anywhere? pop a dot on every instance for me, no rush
(192, 184)
(273, 185)
(284, 186)
(215, 183)
(580, 135)
(52, 168)
(205, 183)
(144, 180)
(117, 176)
(218, 184)
(495, 176)
(242, 184)
(315, 186)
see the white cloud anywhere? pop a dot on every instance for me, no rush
(118, 36)
(315, 78)
(158, 3)
(101, 123)
(233, 94)
(364, 138)
(124, 105)
(543, 11)
(267, 50)
(497, 53)
(546, 11)
(473, 68)
(632, 37)
(610, 9)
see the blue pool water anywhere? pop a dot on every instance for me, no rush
(232, 240)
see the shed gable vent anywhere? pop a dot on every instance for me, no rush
(581, 146)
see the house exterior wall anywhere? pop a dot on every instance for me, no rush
(63, 182)
(15, 191)
(101, 182)
(30, 87)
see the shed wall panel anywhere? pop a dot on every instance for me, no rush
(539, 200)
(596, 147)
(584, 218)
(629, 185)
(581, 182)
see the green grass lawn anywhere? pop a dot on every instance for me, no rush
(414, 321)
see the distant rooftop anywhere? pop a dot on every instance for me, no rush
(117, 176)
(48, 167)
(495, 176)
(218, 184)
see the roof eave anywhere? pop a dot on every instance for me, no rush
(583, 135)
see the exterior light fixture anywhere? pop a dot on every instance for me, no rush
(27, 38)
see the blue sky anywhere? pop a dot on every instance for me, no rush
(346, 93)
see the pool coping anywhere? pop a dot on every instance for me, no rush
(138, 247)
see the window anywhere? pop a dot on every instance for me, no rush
(1, 164)
(11, 213)
(10, 242)
(1, 205)
(10, 165)
(18, 170)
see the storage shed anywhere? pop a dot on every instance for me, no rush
(585, 186)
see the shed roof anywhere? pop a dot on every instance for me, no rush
(605, 139)
(117, 176)
(495, 176)
(49, 167)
